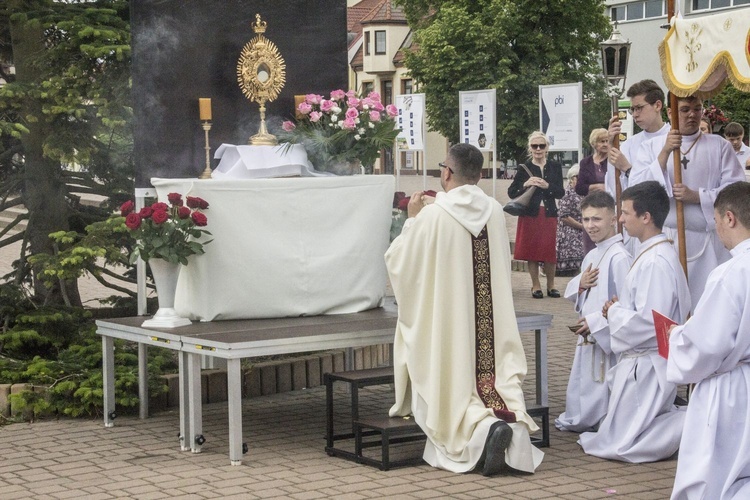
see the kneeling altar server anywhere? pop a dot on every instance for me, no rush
(712, 350)
(642, 422)
(604, 270)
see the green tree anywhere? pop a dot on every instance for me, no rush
(735, 105)
(65, 122)
(510, 45)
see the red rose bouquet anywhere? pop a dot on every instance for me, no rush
(165, 231)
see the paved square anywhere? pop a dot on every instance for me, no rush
(286, 459)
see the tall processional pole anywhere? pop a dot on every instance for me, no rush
(675, 124)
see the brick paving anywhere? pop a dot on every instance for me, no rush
(59, 459)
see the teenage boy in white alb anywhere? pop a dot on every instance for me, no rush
(712, 350)
(734, 133)
(642, 422)
(709, 164)
(604, 269)
(646, 104)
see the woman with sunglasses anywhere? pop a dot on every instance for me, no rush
(537, 228)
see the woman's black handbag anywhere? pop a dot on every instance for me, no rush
(518, 205)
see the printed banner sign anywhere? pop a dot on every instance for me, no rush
(477, 118)
(560, 115)
(411, 117)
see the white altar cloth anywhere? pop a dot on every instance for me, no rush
(286, 247)
(262, 162)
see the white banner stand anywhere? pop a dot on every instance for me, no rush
(478, 123)
(561, 116)
(411, 117)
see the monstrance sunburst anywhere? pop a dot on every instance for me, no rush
(261, 73)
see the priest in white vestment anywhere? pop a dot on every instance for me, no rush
(709, 164)
(642, 422)
(458, 359)
(712, 350)
(604, 270)
(646, 104)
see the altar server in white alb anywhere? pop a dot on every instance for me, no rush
(642, 422)
(712, 350)
(646, 104)
(709, 164)
(458, 359)
(604, 269)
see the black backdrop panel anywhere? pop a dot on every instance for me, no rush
(187, 49)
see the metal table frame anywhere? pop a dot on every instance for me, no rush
(238, 339)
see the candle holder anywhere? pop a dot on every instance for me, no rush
(207, 171)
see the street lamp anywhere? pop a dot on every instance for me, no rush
(615, 54)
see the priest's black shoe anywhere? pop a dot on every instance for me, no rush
(537, 294)
(554, 293)
(492, 460)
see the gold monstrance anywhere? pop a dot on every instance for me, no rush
(261, 74)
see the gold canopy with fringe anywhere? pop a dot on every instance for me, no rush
(698, 55)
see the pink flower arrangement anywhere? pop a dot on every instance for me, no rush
(167, 232)
(342, 129)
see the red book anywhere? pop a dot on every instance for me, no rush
(661, 325)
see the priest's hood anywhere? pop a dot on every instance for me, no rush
(469, 205)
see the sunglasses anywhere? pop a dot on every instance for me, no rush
(538, 146)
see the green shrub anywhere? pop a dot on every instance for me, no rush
(58, 352)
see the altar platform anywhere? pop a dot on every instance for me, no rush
(238, 339)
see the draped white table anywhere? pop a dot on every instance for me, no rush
(286, 246)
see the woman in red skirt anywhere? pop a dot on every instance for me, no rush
(536, 230)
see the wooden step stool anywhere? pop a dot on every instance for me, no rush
(543, 413)
(392, 430)
(356, 380)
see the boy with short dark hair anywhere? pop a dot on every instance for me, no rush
(642, 423)
(712, 350)
(734, 133)
(603, 270)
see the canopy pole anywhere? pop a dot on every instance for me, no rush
(675, 120)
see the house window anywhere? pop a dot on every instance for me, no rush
(407, 85)
(379, 42)
(700, 4)
(654, 8)
(635, 11)
(617, 13)
(387, 91)
(367, 87)
(717, 4)
(367, 43)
